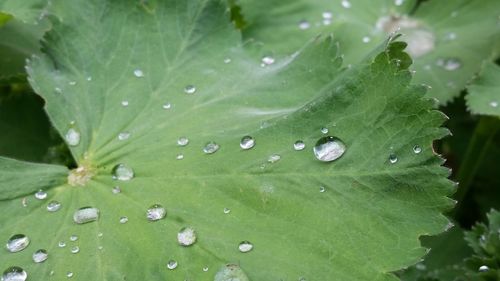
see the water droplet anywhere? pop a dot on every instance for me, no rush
(85, 215)
(89, 78)
(245, 247)
(329, 148)
(24, 202)
(299, 145)
(327, 21)
(14, 273)
(366, 39)
(179, 156)
(210, 147)
(116, 190)
(227, 210)
(231, 272)
(186, 236)
(40, 256)
(346, 4)
(17, 242)
(40, 195)
(123, 220)
(393, 158)
(72, 83)
(61, 244)
(124, 103)
(72, 137)
(156, 212)
(123, 136)
(324, 130)
(190, 89)
(398, 2)
(322, 189)
(53, 206)
(138, 73)
(58, 90)
(247, 142)
(167, 105)
(182, 141)
(327, 15)
(274, 158)
(450, 36)
(449, 64)
(122, 172)
(494, 104)
(100, 234)
(420, 266)
(227, 60)
(75, 250)
(303, 25)
(172, 264)
(267, 60)
(69, 274)
(484, 268)
(205, 269)
(417, 149)
(73, 238)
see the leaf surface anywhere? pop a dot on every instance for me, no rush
(484, 92)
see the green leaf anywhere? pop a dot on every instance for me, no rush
(484, 92)
(365, 224)
(28, 11)
(447, 39)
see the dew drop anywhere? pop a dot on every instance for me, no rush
(247, 142)
(85, 215)
(267, 60)
(179, 156)
(75, 250)
(450, 36)
(366, 39)
(69, 274)
(205, 269)
(210, 147)
(494, 104)
(61, 244)
(299, 145)
(182, 141)
(329, 148)
(186, 236)
(484, 268)
(72, 83)
(346, 4)
(227, 210)
(40, 256)
(417, 149)
(227, 60)
(190, 89)
(172, 264)
(89, 78)
(274, 158)
(231, 272)
(322, 189)
(116, 190)
(167, 105)
(449, 64)
(124, 103)
(138, 73)
(123, 220)
(245, 247)
(398, 2)
(303, 25)
(327, 15)
(156, 212)
(17, 242)
(100, 234)
(324, 130)
(14, 273)
(53, 206)
(24, 202)
(40, 195)
(122, 172)
(72, 137)
(73, 238)
(393, 158)
(123, 136)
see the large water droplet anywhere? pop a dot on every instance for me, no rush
(186, 236)
(393, 158)
(172, 264)
(72, 137)
(245, 247)
(182, 141)
(211, 147)
(123, 136)
(17, 242)
(40, 195)
(299, 145)
(122, 172)
(190, 89)
(247, 142)
(53, 206)
(156, 212)
(484, 268)
(85, 215)
(40, 256)
(231, 272)
(14, 273)
(329, 149)
(417, 149)
(449, 64)
(138, 73)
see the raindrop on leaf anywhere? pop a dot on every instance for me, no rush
(245, 247)
(186, 236)
(329, 149)
(85, 215)
(247, 142)
(17, 242)
(40, 256)
(14, 273)
(122, 172)
(156, 212)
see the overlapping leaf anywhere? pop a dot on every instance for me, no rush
(484, 93)
(122, 67)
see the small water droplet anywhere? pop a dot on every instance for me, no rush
(40, 256)
(245, 247)
(167, 105)
(274, 158)
(450, 36)
(186, 236)
(205, 269)
(116, 190)
(179, 156)
(420, 266)
(100, 234)
(69, 274)
(40, 195)
(61, 244)
(267, 60)
(190, 89)
(210, 147)
(75, 250)
(449, 64)
(24, 202)
(14, 273)
(138, 73)
(393, 158)
(322, 189)
(417, 149)
(53, 206)
(303, 25)
(346, 4)
(73, 238)
(247, 142)
(366, 39)
(329, 148)
(122, 172)
(494, 104)
(85, 215)
(182, 141)
(123, 136)
(72, 83)
(17, 243)
(72, 137)
(327, 15)
(156, 212)
(231, 272)
(398, 2)
(227, 210)
(227, 60)
(123, 220)
(89, 78)
(172, 264)
(484, 268)
(324, 130)
(124, 103)
(299, 145)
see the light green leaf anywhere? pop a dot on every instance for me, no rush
(28, 11)
(484, 92)
(122, 67)
(448, 39)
